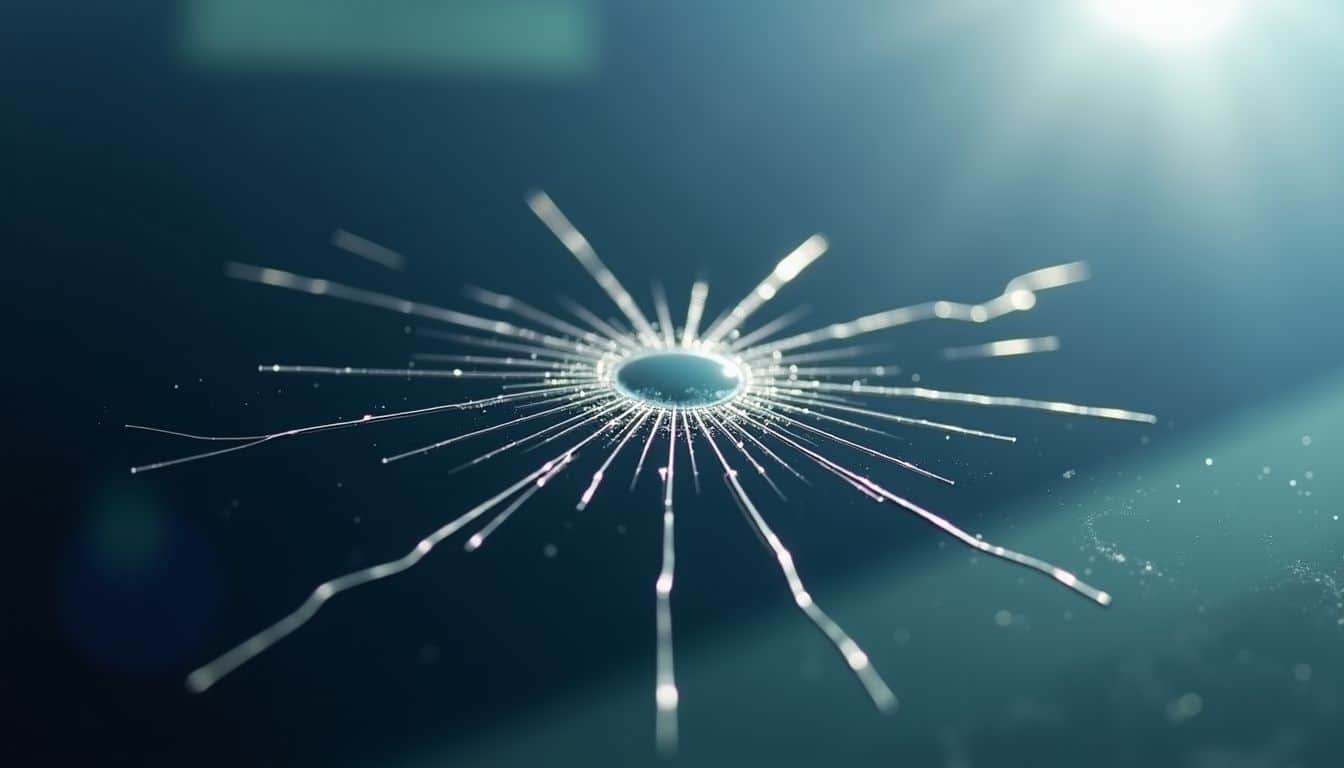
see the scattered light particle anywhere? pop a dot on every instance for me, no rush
(1185, 707)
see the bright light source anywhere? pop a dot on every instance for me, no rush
(1171, 23)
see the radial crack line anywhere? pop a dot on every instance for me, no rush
(739, 429)
(666, 696)
(624, 338)
(407, 373)
(902, 463)
(252, 440)
(653, 431)
(1019, 295)
(786, 270)
(570, 424)
(854, 656)
(769, 397)
(506, 303)
(690, 450)
(206, 676)
(904, 420)
(695, 310)
(577, 350)
(493, 427)
(477, 539)
(742, 448)
(1002, 348)
(769, 329)
(617, 402)
(752, 357)
(586, 380)
(602, 470)
(545, 208)
(794, 371)
(554, 366)
(583, 389)
(813, 395)
(971, 398)
(861, 488)
(1067, 578)
(367, 249)
(664, 314)
(279, 278)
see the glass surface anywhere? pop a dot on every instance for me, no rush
(1189, 153)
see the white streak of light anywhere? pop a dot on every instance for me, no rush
(507, 303)
(1019, 295)
(279, 278)
(410, 373)
(695, 310)
(904, 420)
(902, 463)
(573, 403)
(769, 329)
(1067, 578)
(854, 656)
(970, 398)
(639, 467)
(664, 314)
(666, 696)
(209, 674)
(1003, 348)
(546, 210)
(602, 470)
(367, 249)
(252, 440)
(786, 270)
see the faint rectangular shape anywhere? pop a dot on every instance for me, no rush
(545, 39)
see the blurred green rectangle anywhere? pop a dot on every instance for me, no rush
(547, 39)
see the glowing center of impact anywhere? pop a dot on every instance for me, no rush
(679, 379)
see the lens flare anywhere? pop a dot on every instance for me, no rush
(1171, 23)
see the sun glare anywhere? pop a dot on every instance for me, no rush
(1171, 24)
